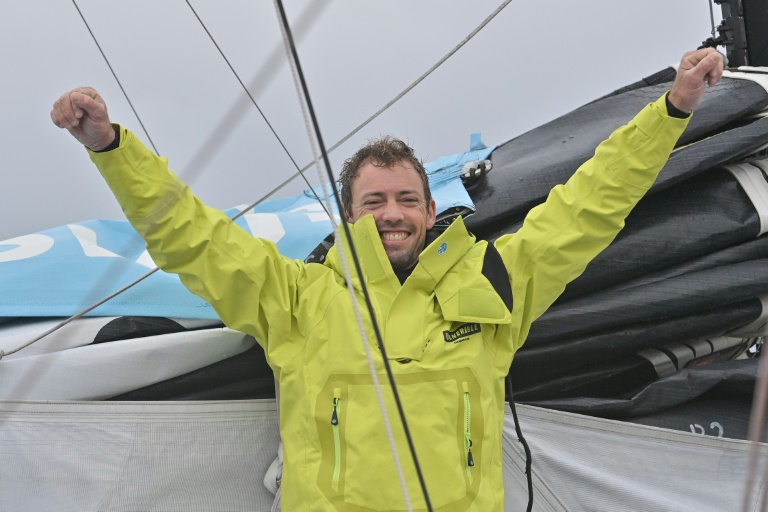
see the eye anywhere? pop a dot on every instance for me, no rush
(411, 201)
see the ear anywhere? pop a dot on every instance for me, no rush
(431, 214)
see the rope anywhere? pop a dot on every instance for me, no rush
(306, 105)
(756, 429)
(521, 440)
(116, 79)
(78, 315)
(263, 116)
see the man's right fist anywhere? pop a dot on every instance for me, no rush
(83, 113)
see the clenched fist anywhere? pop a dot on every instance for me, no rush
(83, 113)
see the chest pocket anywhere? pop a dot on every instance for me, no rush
(357, 472)
(466, 296)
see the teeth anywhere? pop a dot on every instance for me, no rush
(394, 236)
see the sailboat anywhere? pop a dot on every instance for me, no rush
(150, 403)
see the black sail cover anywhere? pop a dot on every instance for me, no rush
(708, 213)
(713, 399)
(527, 167)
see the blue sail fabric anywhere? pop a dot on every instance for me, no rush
(63, 270)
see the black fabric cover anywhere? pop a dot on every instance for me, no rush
(127, 327)
(665, 76)
(526, 168)
(714, 400)
(706, 214)
(241, 377)
(546, 362)
(649, 300)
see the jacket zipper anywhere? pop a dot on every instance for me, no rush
(468, 431)
(336, 437)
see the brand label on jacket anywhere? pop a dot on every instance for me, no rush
(459, 334)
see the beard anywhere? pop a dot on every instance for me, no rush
(404, 255)
(403, 259)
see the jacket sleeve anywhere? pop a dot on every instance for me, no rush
(582, 217)
(250, 285)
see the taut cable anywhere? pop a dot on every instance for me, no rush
(115, 76)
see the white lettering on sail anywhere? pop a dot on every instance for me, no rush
(314, 212)
(265, 225)
(698, 429)
(87, 239)
(27, 246)
(89, 242)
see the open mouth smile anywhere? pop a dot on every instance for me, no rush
(394, 236)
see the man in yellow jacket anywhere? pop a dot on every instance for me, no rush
(449, 335)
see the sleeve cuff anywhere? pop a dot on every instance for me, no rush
(115, 143)
(673, 111)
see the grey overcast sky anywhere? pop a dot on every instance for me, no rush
(537, 60)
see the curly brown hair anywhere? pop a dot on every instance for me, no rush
(383, 152)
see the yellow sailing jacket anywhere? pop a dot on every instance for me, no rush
(448, 334)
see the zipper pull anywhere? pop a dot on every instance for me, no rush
(334, 416)
(470, 460)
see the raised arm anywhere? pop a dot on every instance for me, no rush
(251, 286)
(582, 217)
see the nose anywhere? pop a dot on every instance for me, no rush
(392, 212)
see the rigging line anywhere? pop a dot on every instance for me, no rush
(422, 77)
(253, 100)
(756, 428)
(116, 79)
(353, 252)
(239, 108)
(521, 440)
(78, 315)
(712, 19)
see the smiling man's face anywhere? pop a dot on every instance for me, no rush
(395, 197)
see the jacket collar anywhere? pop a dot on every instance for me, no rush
(434, 261)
